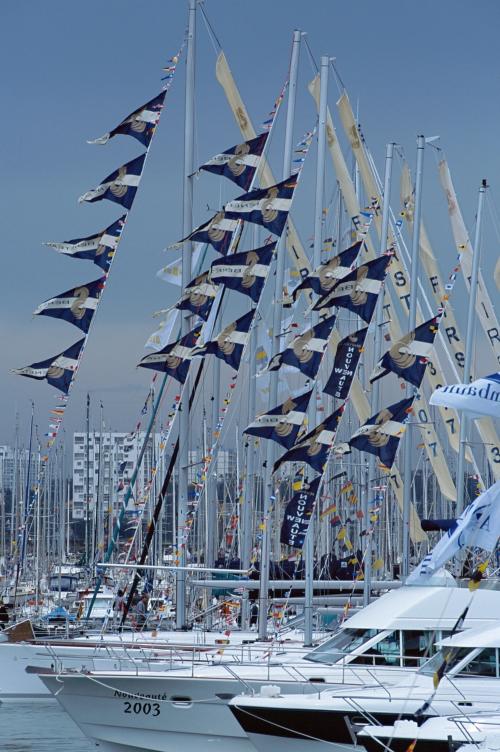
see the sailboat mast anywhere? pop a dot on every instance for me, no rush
(469, 347)
(377, 352)
(318, 244)
(187, 214)
(276, 341)
(87, 486)
(412, 322)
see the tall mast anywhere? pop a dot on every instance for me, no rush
(318, 243)
(187, 213)
(276, 341)
(412, 321)
(379, 317)
(469, 347)
(87, 486)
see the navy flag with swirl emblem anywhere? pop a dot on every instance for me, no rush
(358, 291)
(322, 279)
(77, 306)
(121, 186)
(408, 357)
(140, 124)
(346, 361)
(282, 424)
(305, 351)
(240, 162)
(99, 248)
(265, 206)
(59, 370)
(314, 447)
(244, 272)
(298, 513)
(218, 231)
(175, 358)
(230, 343)
(381, 433)
(198, 296)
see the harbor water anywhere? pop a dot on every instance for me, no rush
(40, 726)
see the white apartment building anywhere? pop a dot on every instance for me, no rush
(111, 462)
(105, 466)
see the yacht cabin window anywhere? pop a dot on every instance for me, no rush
(407, 647)
(462, 662)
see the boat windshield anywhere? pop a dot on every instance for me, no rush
(463, 662)
(343, 643)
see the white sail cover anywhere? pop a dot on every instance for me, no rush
(480, 397)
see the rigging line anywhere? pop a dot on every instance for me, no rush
(338, 79)
(210, 29)
(310, 55)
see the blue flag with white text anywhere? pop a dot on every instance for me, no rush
(99, 248)
(283, 423)
(244, 272)
(268, 207)
(76, 306)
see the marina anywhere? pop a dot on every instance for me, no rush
(254, 502)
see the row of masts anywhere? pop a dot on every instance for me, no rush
(258, 495)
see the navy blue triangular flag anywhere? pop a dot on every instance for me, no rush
(240, 162)
(408, 356)
(265, 206)
(140, 124)
(59, 370)
(175, 358)
(99, 248)
(306, 350)
(282, 424)
(121, 186)
(77, 306)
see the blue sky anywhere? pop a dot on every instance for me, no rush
(71, 71)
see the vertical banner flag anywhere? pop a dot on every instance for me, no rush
(77, 306)
(140, 124)
(58, 370)
(298, 514)
(240, 162)
(121, 186)
(99, 248)
(346, 361)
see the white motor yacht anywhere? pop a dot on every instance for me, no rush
(468, 664)
(187, 708)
